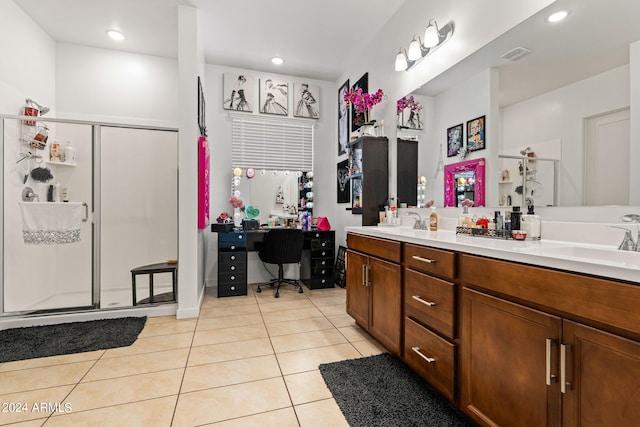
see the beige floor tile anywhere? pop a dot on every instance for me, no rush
(51, 360)
(330, 300)
(278, 418)
(297, 326)
(287, 293)
(276, 305)
(241, 333)
(229, 351)
(152, 344)
(20, 413)
(168, 328)
(234, 310)
(213, 301)
(48, 376)
(32, 423)
(307, 387)
(333, 310)
(327, 293)
(116, 391)
(341, 320)
(138, 364)
(369, 347)
(160, 319)
(155, 412)
(292, 315)
(354, 333)
(285, 343)
(323, 413)
(228, 321)
(309, 360)
(227, 373)
(225, 403)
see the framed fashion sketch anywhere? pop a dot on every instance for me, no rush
(344, 189)
(238, 92)
(306, 99)
(343, 120)
(454, 140)
(475, 134)
(357, 118)
(201, 113)
(274, 97)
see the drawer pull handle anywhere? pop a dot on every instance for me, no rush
(564, 385)
(233, 248)
(233, 267)
(550, 378)
(425, 302)
(417, 351)
(233, 257)
(427, 260)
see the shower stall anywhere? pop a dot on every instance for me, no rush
(124, 176)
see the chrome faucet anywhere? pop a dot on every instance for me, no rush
(628, 244)
(419, 224)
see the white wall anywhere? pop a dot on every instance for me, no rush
(558, 115)
(219, 131)
(634, 62)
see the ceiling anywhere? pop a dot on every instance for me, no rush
(315, 38)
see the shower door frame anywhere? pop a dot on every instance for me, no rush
(96, 142)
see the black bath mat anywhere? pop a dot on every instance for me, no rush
(68, 338)
(382, 391)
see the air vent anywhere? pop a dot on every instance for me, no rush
(516, 53)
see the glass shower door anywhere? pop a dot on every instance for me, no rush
(45, 277)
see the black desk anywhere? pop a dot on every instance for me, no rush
(316, 265)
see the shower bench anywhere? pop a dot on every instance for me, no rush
(151, 269)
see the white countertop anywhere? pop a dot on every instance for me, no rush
(569, 256)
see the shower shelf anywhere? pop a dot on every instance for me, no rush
(61, 163)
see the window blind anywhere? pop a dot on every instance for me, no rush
(272, 145)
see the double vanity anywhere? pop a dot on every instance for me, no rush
(511, 332)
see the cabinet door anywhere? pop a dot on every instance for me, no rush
(386, 303)
(503, 367)
(357, 292)
(604, 373)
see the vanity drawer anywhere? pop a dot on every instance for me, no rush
(382, 248)
(322, 253)
(431, 357)
(232, 258)
(232, 241)
(321, 244)
(321, 271)
(429, 260)
(231, 289)
(232, 277)
(430, 301)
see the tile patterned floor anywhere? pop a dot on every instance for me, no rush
(247, 361)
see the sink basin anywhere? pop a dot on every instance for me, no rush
(605, 256)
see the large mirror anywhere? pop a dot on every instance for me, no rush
(564, 97)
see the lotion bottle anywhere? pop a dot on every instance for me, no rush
(433, 220)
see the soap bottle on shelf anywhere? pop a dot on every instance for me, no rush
(433, 220)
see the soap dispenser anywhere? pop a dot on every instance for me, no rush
(433, 220)
(531, 224)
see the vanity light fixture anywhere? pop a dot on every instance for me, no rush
(421, 48)
(116, 35)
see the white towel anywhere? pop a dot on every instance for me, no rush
(49, 223)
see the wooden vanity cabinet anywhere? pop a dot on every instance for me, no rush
(374, 289)
(549, 347)
(429, 315)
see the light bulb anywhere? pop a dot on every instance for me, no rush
(415, 52)
(431, 37)
(401, 61)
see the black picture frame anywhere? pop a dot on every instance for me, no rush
(454, 140)
(340, 276)
(201, 110)
(344, 186)
(357, 118)
(476, 131)
(343, 120)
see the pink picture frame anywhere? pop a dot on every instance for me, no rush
(450, 185)
(203, 182)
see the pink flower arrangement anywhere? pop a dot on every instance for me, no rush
(236, 202)
(467, 203)
(408, 102)
(363, 101)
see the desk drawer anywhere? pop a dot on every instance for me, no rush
(320, 234)
(320, 282)
(430, 356)
(232, 241)
(232, 258)
(321, 263)
(322, 271)
(321, 244)
(232, 277)
(232, 289)
(431, 261)
(322, 253)
(430, 301)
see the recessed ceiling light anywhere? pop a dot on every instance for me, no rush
(277, 60)
(116, 35)
(558, 16)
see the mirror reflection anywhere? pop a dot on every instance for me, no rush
(566, 99)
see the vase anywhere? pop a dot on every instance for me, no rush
(237, 217)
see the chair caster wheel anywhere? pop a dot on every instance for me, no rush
(277, 295)
(258, 290)
(300, 290)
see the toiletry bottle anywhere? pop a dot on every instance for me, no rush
(499, 219)
(433, 220)
(507, 223)
(515, 218)
(531, 224)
